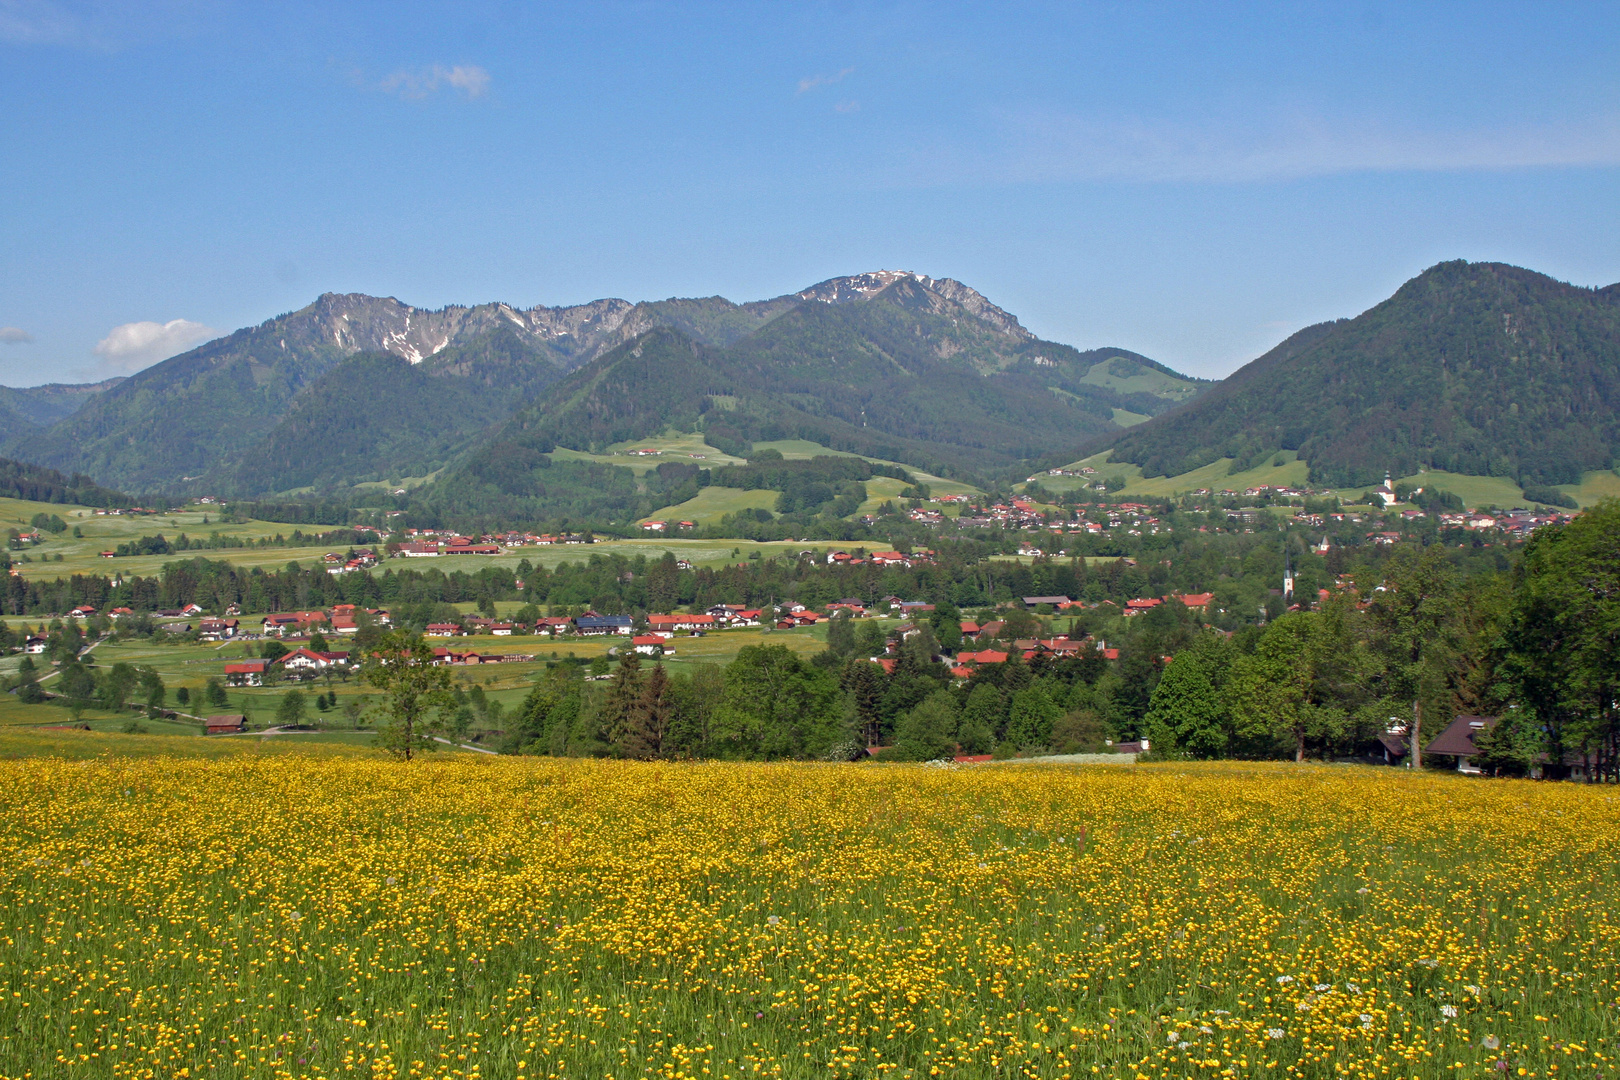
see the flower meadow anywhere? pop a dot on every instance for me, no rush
(349, 917)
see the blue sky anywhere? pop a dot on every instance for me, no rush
(1190, 181)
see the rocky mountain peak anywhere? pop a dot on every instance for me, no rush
(857, 287)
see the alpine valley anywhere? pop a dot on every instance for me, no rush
(357, 389)
(500, 413)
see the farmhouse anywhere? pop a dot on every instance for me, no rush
(593, 624)
(217, 629)
(225, 724)
(680, 622)
(648, 644)
(306, 663)
(553, 625)
(245, 672)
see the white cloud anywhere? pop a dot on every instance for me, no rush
(14, 335)
(824, 80)
(133, 346)
(1043, 146)
(36, 22)
(98, 25)
(470, 80)
(847, 106)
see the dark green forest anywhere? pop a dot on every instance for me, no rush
(1476, 368)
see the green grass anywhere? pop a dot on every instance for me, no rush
(1126, 418)
(1139, 380)
(21, 743)
(685, 447)
(190, 666)
(879, 490)
(713, 503)
(801, 449)
(1474, 491)
(1594, 487)
(82, 555)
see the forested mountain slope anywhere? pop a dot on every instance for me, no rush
(902, 372)
(917, 366)
(1477, 368)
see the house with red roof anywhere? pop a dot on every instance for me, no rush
(680, 621)
(648, 644)
(245, 672)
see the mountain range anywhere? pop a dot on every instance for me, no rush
(355, 388)
(1475, 368)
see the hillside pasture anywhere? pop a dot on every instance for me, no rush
(713, 503)
(106, 532)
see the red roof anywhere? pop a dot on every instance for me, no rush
(680, 620)
(1198, 599)
(988, 656)
(647, 639)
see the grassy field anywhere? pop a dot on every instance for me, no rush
(1214, 476)
(1474, 491)
(1594, 487)
(1140, 380)
(714, 503)
(686, 447)
(190, 667)
(803, 449)
(315, 915)
(82, 555)
(77, 745)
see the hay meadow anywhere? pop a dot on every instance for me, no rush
(344, 915)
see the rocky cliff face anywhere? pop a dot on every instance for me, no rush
(848, 290)
(577, 334)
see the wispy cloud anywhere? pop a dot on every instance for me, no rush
(847, 106)
(808, 84)
(1046, 146)
(14, 335)
(37, 22)
(133, 346)
(98, 25)
(469, 80)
